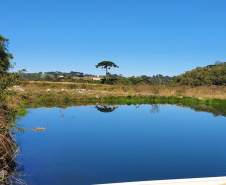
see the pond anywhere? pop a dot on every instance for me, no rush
(85, 145)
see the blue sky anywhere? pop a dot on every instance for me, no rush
(143, 37)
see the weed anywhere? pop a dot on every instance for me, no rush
(52, 85)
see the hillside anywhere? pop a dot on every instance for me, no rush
(209, 75)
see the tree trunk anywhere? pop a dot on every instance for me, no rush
(106, 70)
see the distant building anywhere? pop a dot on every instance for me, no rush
(95, 78)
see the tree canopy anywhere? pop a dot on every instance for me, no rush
(209, 75)
(106, 65)
(6, 79)
(4, 55)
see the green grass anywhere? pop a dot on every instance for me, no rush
(215, 106)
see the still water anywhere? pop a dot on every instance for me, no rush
(90, 145)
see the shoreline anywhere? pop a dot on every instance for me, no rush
(93, 90)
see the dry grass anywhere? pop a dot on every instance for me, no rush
(8, 153)
(38, 129)
(93, 90)
(8, 149)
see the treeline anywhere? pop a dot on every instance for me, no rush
(203, 76)
(52, 76)
(143, 79)
(71, 74)
(88, 78)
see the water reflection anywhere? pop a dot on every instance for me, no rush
(111, 108)
(61, 113)
(154, 109)
(106, 108)
(134, 144)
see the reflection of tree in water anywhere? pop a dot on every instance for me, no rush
(106, 108)
(61, 113)
(154, 109)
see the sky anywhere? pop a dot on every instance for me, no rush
(143, 37)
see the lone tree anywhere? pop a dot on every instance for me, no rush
(106, 65)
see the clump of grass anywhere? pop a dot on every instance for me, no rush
(52, 85)
(22, 112)
(38, 129)
(156, 91)
(66, 99)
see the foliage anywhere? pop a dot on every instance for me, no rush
(31, 76)
(135, 80)
(160, 79)
(58, 76)
(4, 55)
(143, 79)
(106, 65)
(209, 75)
(7, 147)
(6, 79)
(108, 80)
(215, 106)
(87, 78)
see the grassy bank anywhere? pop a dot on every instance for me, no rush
(35, 94)
(92, 90)
(48, 94)
(214, 106)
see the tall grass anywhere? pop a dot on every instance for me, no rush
(204, 92)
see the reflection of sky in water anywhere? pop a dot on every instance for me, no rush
(82, 145)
